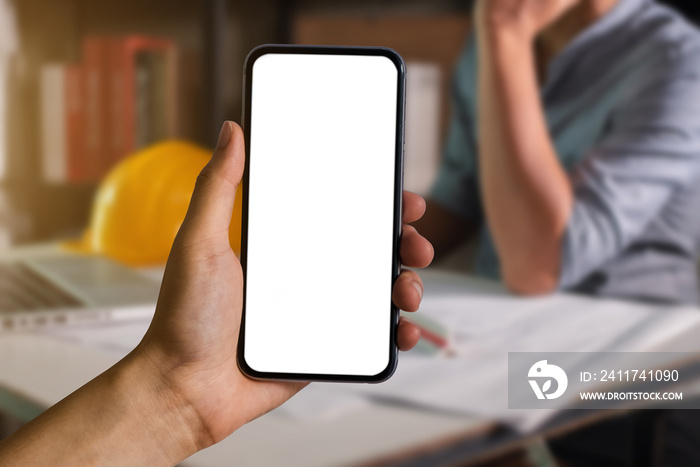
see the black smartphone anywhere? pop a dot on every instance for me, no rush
(322, 195)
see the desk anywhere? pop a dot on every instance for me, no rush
(37, 370)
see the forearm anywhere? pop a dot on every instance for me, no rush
(526, 193)
(126, 416)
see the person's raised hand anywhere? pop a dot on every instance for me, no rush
(523, 18)
(192, 341)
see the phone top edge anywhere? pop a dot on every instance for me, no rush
(265, 49)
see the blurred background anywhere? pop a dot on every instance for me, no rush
(50, 165)
(63, 60)
(85, 83)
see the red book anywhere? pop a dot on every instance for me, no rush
(143, 104)
(75, 121)
(96, 100)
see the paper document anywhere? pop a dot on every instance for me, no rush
(487, 323)
(117, 338)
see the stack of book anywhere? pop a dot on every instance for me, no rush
(122, 97)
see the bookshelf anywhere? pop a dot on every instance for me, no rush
(212, 37)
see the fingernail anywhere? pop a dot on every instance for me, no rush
(419, 289)
(224, 135)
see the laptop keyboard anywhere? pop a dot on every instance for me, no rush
(21, 289)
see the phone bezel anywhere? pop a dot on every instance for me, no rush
(398, 201)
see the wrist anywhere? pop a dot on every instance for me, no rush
(494, 24)
(505, 34)
(503, 50)
(169, 415)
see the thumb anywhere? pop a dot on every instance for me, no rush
(211, 206)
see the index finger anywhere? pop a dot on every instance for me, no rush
(413, 207)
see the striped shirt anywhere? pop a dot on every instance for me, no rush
(622, 103)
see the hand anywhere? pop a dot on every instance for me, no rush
(524, 18)
(193, 338)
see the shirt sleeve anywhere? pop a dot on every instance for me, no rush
(455, 187)
(651, 150)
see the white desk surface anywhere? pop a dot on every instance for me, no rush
(37, 370)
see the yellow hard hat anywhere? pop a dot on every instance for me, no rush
(141, 203)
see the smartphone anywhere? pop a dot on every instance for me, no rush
(322, 195)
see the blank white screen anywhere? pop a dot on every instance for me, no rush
(321, 214)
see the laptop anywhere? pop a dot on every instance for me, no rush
(41, 291)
